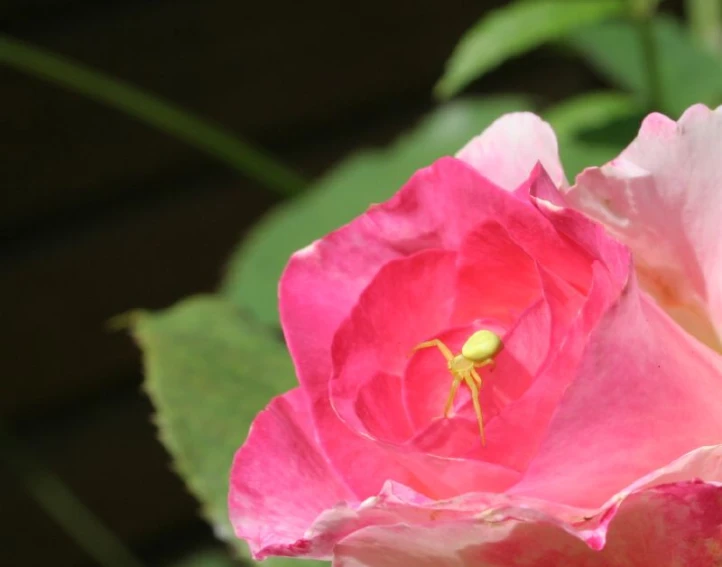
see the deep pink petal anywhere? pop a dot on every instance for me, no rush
(380, 408)
(644, 393)
(427, 381)
(280, 482)
(517, 433)
(542, 231)
(435, 209)
(323, 281)
(586, 241)
(662, 197)
(486, 257)
(507, 151)
(408, 300)
(525, 347)
(366, 464)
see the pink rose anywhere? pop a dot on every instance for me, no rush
(601, 417)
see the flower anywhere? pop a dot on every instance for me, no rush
(603, 416)
(663, 198)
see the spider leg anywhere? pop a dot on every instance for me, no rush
(452, 395)
(485, 363)
(475, 376)
(477, 406)
(438, 344)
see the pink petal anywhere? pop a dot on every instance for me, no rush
(409, 300)
(487, 256)
(435, 209)
(525, 348)
(380, 410)
(563, 245)
(663, 519)
(440, 529)
(677, 525)
(643, 394)
(507, 151)
(366, 464)
(426, 380)
(590, 239)
(323, 281)
(662, 197)
(518, 431)
(280, 482)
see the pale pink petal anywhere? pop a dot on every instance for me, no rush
(280, 482)
(507, 151)
(678, 525)
(663, 197)
(643, 394)
(664, 519)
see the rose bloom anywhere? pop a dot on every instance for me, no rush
(603, 413)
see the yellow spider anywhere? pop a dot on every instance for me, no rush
(479, 350)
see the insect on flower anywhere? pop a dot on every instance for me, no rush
(479, 350)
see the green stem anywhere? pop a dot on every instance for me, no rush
(643, 12)
(58, 501)
(651, 59)
(165, 116)
(705, 22)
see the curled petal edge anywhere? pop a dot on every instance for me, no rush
(398, 504)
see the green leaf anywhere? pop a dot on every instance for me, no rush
(367, 177)
(514, 29)
(687, 73)
(209, 369)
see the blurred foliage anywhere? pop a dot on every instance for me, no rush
(688, 73)
(213, 362)
(514, 29)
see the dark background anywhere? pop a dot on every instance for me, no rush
(101, 213)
